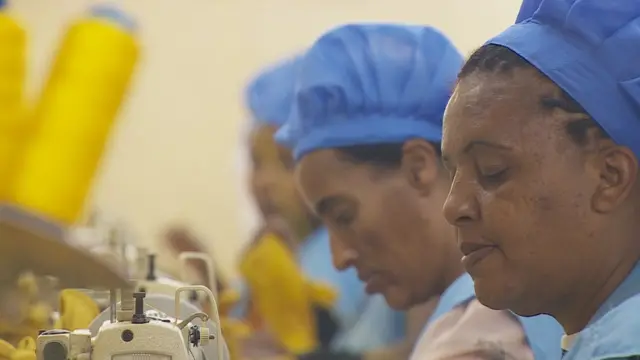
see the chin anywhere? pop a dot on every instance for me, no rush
(498, 297)
(492, 295)
(398, 299)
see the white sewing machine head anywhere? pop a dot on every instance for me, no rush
(131, 332)
(112, 243)
(152, 283)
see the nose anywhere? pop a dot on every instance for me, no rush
(461, 206)
(343, 256)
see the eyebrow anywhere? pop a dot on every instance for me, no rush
(473, 144)
(476, 143)
(327, 203)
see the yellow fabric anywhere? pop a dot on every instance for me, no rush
(25, 350)
(31, 313)
(283, 297)
(77, 310)
(280, 294)
(234, 331)
(323, 295)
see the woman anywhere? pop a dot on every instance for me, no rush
(541, 140)
(365, 133)
(356, 323)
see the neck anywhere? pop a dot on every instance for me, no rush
(579, 309)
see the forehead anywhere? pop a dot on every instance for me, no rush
(263, 143)
(320, 169)
(503, 108)
(322, 173)
(262, 134)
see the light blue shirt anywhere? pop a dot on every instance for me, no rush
(614, 331)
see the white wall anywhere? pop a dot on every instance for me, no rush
(174, 155)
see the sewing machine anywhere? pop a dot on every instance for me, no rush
(111, 242)
(160, 290)
(132, 331)
(34, 244)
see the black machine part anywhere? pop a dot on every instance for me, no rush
(139, 316)
(55, 350)
(151, 267)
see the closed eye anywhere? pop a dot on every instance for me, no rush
(494, 178)
(344, 219)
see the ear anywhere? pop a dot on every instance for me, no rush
(618, 170)
(420, 164)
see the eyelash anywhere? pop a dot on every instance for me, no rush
(343, 220)
(495, 178)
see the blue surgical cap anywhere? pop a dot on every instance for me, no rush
(371, 84)
(527, 8)
(269, 95)
(590, 49)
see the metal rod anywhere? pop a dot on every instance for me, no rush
(112, 305)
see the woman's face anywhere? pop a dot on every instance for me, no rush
(379, 223)
(529, 203)
(272, 183)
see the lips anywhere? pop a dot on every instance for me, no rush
(474, 254)
(374, 282)
(469, 247)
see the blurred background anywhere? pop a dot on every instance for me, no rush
(176, 156)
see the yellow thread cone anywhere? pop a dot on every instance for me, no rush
(13, 42)
(75, 114)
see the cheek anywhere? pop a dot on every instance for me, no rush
(370, 232)
(388, 229)
(366, 234)
(533, 221)
(285, 186)
(403, 218)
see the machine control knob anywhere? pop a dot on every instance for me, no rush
(200, 336)
(205, 336)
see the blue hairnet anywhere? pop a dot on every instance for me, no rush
(269, 96)
(527, 8)
(371, 84)
(590, 49)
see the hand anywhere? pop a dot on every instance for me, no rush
(179, 240)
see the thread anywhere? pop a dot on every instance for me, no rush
(13, 41)
(75, 114)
